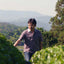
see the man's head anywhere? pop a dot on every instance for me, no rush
(31, 24)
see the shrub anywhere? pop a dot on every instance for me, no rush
(51, 55)
(8, 53)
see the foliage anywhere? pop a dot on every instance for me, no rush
(61, 37)
(51, 55)
(58, 22)
(40, 29)
(49, 39)
(8, 53)
(12, 32)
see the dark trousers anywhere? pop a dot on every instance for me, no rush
(28, 56)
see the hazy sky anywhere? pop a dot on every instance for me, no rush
(46, 7)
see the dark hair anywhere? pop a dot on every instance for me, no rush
(32, 20)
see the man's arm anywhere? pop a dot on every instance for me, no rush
(41, 45)
(20, 38)
(15, 44)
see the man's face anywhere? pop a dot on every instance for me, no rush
(31, 26)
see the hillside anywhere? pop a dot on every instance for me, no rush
(12, 32)
(6, 27)
(20, 18)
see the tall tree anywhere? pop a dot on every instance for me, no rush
(58, 21)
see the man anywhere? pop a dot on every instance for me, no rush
(33, 40)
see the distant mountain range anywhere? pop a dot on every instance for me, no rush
(20, 18)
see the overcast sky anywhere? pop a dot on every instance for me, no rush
(46, 7)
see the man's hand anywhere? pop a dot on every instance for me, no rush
(15, 44)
